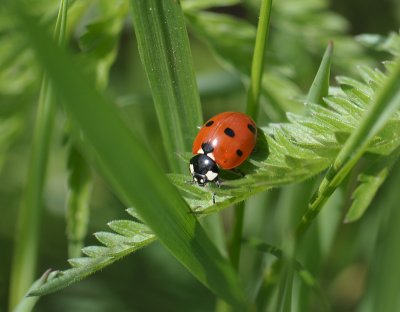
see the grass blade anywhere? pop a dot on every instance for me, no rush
(25, 252)
(131, 169)
(165, 53)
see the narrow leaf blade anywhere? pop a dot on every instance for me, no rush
(114, 149)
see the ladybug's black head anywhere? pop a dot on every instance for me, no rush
(203, 169)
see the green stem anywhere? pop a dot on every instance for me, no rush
(252, 108)
(236, 241)
(27, 234)
(257, 66)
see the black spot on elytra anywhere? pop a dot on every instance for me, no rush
(207, 147)
(209, 123)
(239, 153)
(229, 132)
(251, 128)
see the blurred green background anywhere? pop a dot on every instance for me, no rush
(151, 279)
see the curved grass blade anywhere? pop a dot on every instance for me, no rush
(99, 44)
(131, 169)
(165, 53)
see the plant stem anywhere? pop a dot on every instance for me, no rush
(236, 241)
(253, 99)
(257, 66)
(27, 235)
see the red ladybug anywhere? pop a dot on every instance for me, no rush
(225, 141)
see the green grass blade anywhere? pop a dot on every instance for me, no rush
(131, 169)
(27, 236)
(320, 85)
(165, 53)
(99, 44)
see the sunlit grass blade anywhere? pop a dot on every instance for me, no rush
(164, 49)
(130, 169)
(320, 85)
(27, 237)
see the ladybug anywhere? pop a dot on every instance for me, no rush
(225, 141)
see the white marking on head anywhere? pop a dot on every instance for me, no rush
(211, 155)
(201, 181)
(191, 168)
(200, 151)
(211, 175)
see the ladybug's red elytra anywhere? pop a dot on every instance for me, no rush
(225, 141)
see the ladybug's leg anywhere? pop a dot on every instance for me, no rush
(218, 183)
(237, 171)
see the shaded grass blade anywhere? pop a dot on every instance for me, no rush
(27, 236)
(165, 53)
(131, 169)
